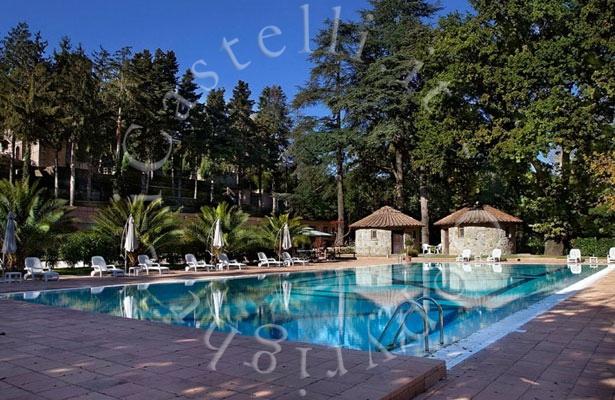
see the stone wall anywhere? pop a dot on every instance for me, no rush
(481, 239)
(366, 246)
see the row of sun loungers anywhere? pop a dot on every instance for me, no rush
(36, 270)
(101, 268)
(466, 256)
(572, 258)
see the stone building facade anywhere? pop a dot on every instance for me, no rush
(385, 232)
(481, 229)
(480, 239)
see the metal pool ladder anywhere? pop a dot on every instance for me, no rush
(416, 306)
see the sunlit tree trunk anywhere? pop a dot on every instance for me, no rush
(172, 175)
(72, 182)
(27, 156)
(118, 153)
(260, 190)
(238, 185)
(56, 178)
(12, 159)
(89, 182)
(399, 178)
(424, 195)
(339, 179)
(196, 185)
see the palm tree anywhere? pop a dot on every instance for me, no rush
(236, 236)
(156, 226)
(39, 221)
(269, 233)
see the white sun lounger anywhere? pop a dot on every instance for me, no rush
(100, 267)
(289, 260)
(263, 260)
(610, 258)
(35, 269)
(147, 264)
(226, 262)
(194, 264)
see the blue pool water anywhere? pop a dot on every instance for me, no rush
(334, 308)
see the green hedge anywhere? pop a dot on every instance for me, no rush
(593, 246)
(82, 246)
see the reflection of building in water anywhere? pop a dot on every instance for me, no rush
(479, 279)
(374, 276)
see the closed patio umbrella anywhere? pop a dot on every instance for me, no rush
(9, 244)
(287, 242)
(131, 242)
(217, 242)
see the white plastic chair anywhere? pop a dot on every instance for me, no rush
(496, 256)
(426, 248)
(193, 263)
(100, 267)
(35, 269)
(466, 255)
(147, 264)
(574, 256)
(610, 258)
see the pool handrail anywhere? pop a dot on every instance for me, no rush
(415, 307)
(440, 315)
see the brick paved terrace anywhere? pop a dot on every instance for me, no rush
(565, 353)
(54, 353)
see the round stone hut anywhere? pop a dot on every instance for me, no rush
(385, 232)
(480, 228)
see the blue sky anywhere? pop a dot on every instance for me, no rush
(194, 29)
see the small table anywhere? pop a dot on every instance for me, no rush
(134, 271)
(593, 260)
(10, 277)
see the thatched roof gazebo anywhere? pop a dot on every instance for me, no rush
(384, 232)
(480, 228)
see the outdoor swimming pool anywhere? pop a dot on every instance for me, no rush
(335, 308)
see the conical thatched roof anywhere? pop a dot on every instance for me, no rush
(386, 218)
(478, 215)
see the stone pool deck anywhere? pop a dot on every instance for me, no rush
(565, 353)
(55, 353)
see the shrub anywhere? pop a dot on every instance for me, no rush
(593, 246)
(233, 224)
(411, 248)
(156, 225)
(82, 246)
(40, 221)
